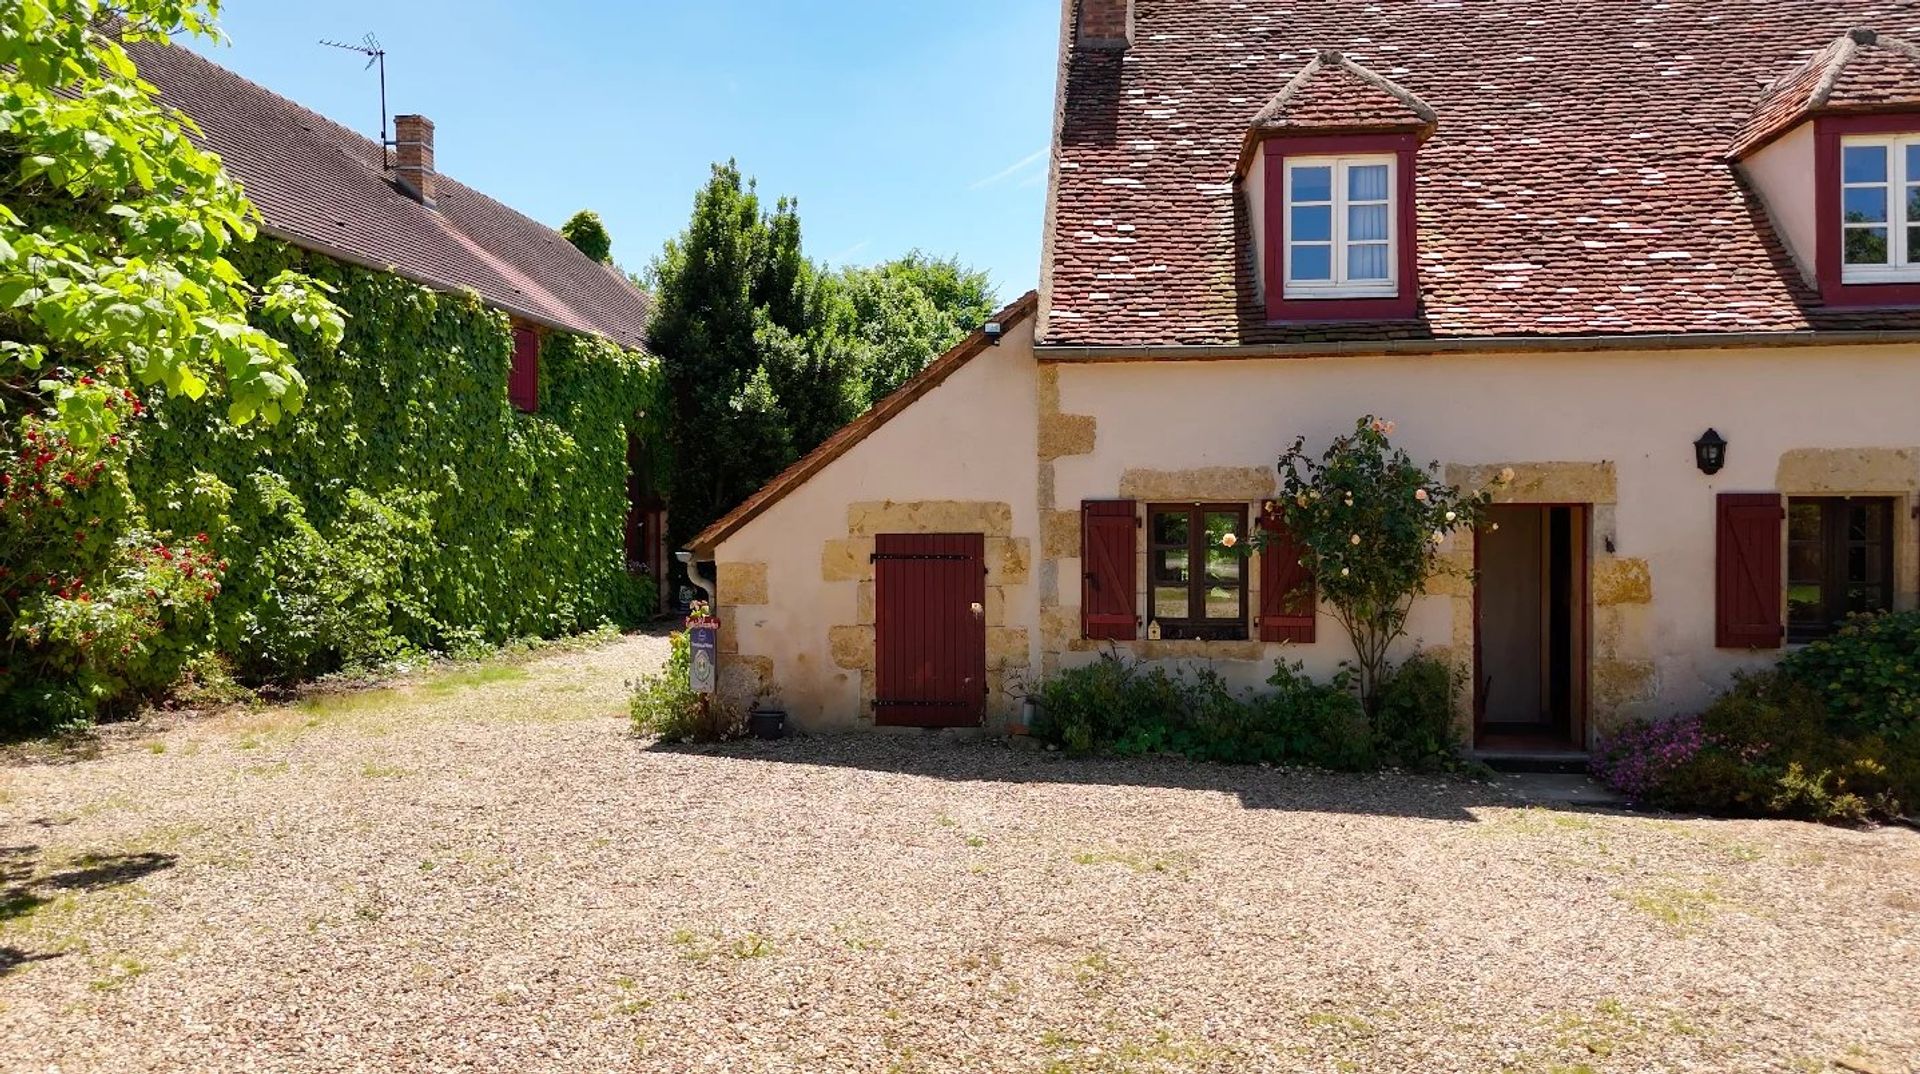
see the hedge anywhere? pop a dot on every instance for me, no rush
(408, 505)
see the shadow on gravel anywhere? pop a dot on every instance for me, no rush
(21, 892)
(1306, 790)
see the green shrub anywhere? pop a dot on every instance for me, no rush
(1414, 725)
(664, 705)
(1868, 673)
(1768, 746)
(1116, 706)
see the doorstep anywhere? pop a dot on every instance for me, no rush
(1541, 760)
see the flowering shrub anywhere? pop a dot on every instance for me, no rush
(665, 707)
(1767, 747)
(94, 609)
(1372, 522)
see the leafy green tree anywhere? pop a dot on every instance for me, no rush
(585, 230)
(910, 310)
(114, 281)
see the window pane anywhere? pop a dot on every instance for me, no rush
(1913, 205)
(1312, 263)
(1803, 520)
(1367, 262)
(1170, 528)
(1866, 246)
(1223, 602)
(1223, 566)
(1313, 184)
(1803, 605)
(1367, 183)
(1913, 245)
(1865, 164)
(1219, 524)
(1913, 161)
(1866, 520)
(1312, 223)
(1170, 602)
(1866, 204)
(1170, 566)
(1367, 223)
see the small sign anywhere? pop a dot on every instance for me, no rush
(703, 636)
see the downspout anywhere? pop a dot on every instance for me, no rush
(700, 581)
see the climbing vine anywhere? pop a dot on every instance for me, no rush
(408, 505)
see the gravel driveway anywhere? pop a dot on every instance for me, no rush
(484, 871)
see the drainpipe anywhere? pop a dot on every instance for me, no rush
(700, 581)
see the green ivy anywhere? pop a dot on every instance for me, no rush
(409, 505)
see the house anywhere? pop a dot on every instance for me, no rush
(325, 188)
(1568, 240)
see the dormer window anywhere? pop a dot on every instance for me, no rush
(1328, 177)
(1340, 228)
(1880, 208)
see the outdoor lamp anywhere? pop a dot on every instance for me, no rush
(1710, 452)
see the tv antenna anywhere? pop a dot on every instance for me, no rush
(369, 47)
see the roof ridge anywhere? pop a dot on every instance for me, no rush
(1326, 59)
(1848, 46)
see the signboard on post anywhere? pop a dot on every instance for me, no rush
(703, 637)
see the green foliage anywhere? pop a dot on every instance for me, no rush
(585, 231)
(115, 229)
(409, 506)
(1372, 522)
(664, 706)
(1116, 706)
(1868, 673)
(909, 311)
(1769, 746)
(767, 354)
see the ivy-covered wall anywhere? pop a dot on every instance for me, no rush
(408, 505)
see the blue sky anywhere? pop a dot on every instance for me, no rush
(897, 124)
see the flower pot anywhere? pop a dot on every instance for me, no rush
(767, 723)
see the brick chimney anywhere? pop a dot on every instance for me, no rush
(1105, 25)
(413, 157)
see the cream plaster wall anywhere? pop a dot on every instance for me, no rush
(971, 440)
(1640, 412)
(1783, 174)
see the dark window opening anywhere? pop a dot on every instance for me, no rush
(1839, 562)
(1196, 581)
(523, 375)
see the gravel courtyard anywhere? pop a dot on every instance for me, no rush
(483, 870)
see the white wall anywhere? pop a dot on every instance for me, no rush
(1783, 174)
(1640, 411)
(972, 438)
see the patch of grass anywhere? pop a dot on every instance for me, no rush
(373, 770)
(1164, 1052)
(1350, 1024)
(19, 904)
(1610, 1027)
(976, 841)
(945, 821)
(156, 746)
(1675, 905)
(1139, 863)
(752, 945)
(120, 971)
(483, 675)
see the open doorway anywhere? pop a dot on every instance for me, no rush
(1530, 634)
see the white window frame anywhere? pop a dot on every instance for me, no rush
(1340, 286)
(1902, 264)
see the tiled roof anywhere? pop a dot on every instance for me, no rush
(1576, 183)
(322, 186)
(1861, 69)
(936, 373)
(1333, 93)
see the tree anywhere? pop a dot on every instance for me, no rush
(585, 231)
(114, 279)
(909, 311)
(1372, 523)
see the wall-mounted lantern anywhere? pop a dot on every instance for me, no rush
(1710, 452)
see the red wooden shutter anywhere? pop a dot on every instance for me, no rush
(1287, 596)
(523, 377)
(1107, 548)
(1748, 581)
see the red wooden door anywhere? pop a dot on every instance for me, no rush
(930, 644)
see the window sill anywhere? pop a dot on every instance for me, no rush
(1321, 294)
(1247, 652)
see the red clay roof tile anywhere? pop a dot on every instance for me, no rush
(1576, 182)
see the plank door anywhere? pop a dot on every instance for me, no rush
(930, 630)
